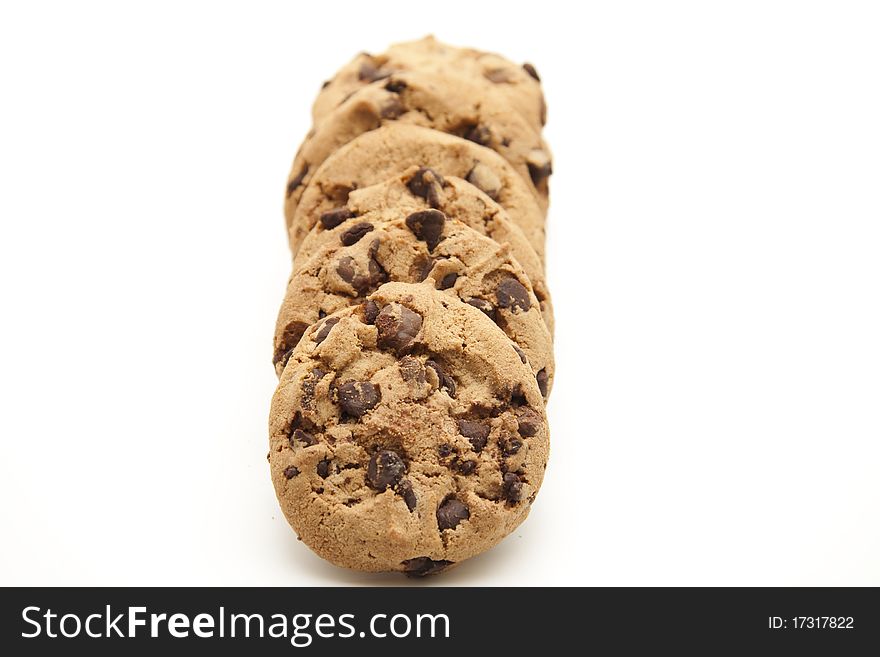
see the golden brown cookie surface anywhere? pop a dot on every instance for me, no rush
(433, 101)
(406, 433)
(394, 244)
(392, 149)
(519, 85)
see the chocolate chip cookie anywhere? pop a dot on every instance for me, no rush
(385, 244)
(421, 188)
(431, 101)
(520, 86)
(406, 433)
(391, 149)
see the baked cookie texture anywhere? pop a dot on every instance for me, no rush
(380, 154)
(434, 101)
(414, 344)
(406, 433)
(387, 244)
(421, 188)
(519, 85)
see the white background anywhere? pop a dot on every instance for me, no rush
(714, 252)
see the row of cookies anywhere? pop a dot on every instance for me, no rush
(414, 343)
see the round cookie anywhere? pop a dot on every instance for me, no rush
(406, 434)
(420, 188)
(391, 149)
(389, 245)
(519, 85)
(431, 101)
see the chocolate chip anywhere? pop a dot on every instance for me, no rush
(540, 166)
(298, 421)
(494, 410)
(481, 304)
(325, 329)
(445, 450)
(447, 281)
(355, 233)
(370, 73)
(304, 437)
(511, 446)
(323, 468)
(520, 353)
(281, 356)
(476, 432)
(392, 109)
(528, 421)
(385, 469)
(377, 274)
(332, 218)
(450, 513)
(411, 369)
(541, 378)
(290, 337)
(358, 397)
(395, 86)
(531, 71)
(427, 225)
(512, 294)
(422, 566)
(511, 487)
(345, 268)
(370, 311)
(467, 467)
(479, 134)
(428, 184)
(338, 193)
(517, 398)
(405, 490)
(397, 326)
(308, 387)
(539, 175)
(486, 180)
(446, 382)
(297, 180)
(325, 84)
(291, 471)
(420, 268)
